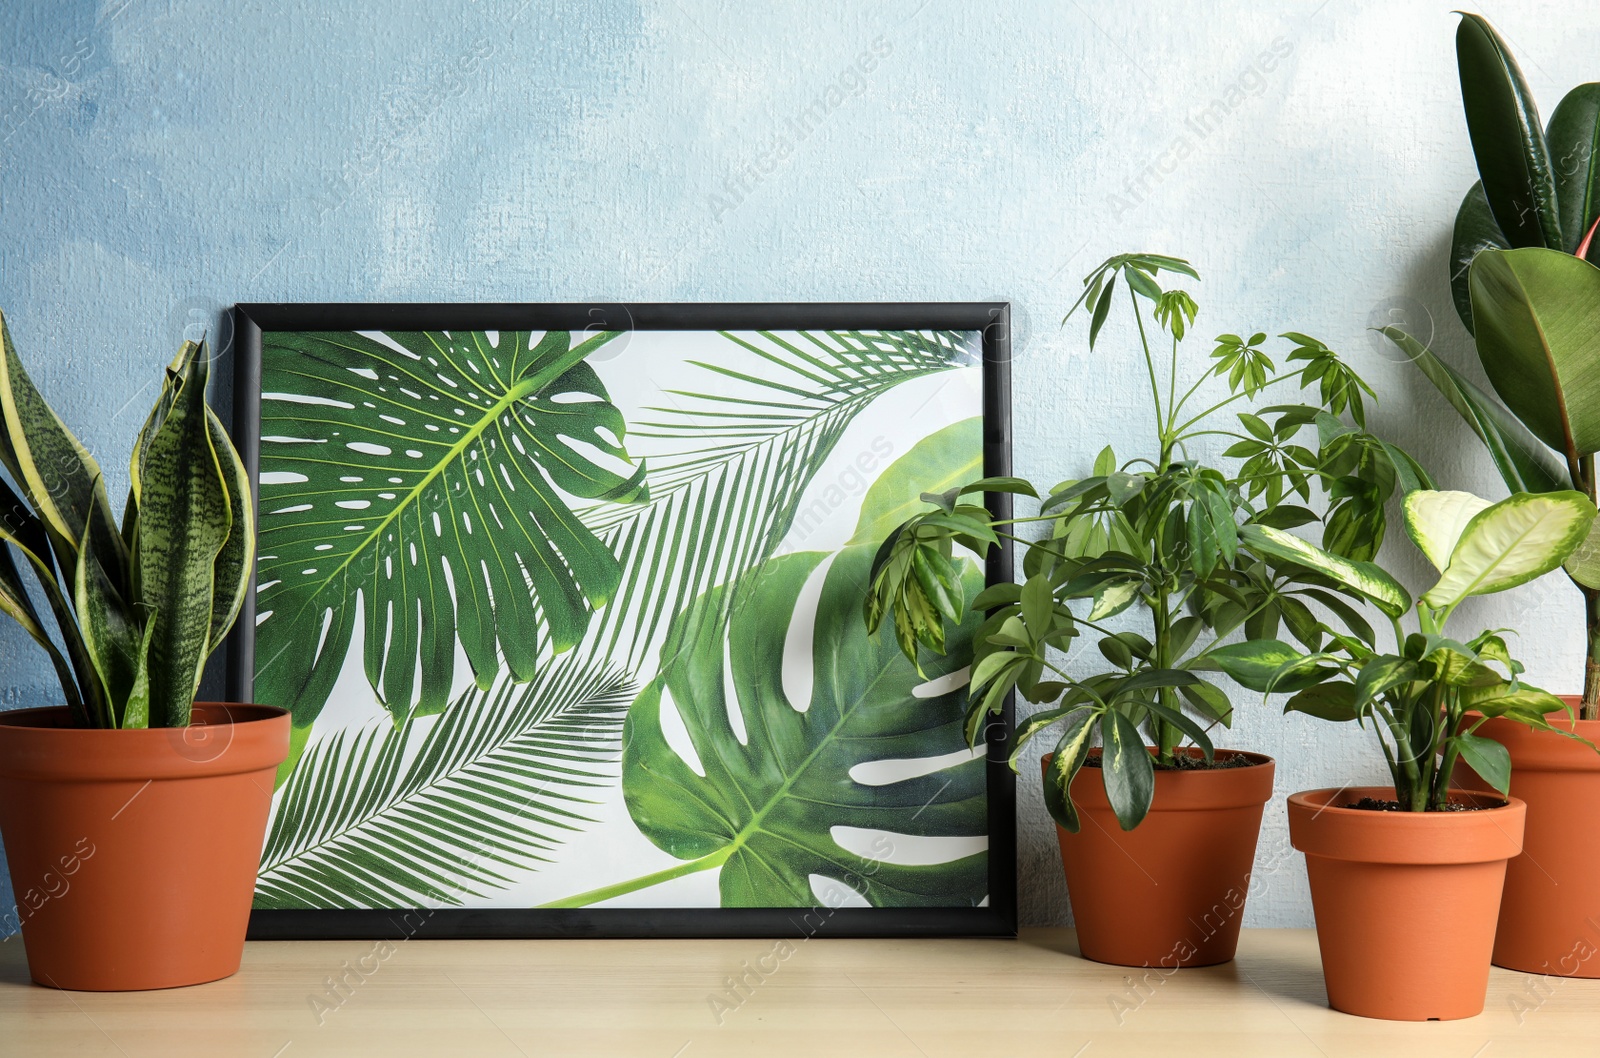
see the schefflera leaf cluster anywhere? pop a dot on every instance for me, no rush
(137, 603)
(1165, 537)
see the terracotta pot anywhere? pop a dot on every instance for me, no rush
(1550, 916)
(1170, 892)
(1405, 901)
(133, 853)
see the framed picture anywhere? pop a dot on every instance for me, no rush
(566, 603)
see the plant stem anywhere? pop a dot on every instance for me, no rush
(607, 892)
(1179, 433)
(1150, 366)
(1590, 709)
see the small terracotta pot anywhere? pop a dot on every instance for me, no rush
(1405, 901)
(1550, 915)
(1170, 892)
(133, 853)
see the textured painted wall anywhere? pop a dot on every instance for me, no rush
(161, 159)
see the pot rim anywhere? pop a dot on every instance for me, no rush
(230, 737)
(1317, 828)
(1196, 790)
(11, 718)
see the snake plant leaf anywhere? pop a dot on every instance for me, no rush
(1390, 596)
(399, 466)
(58, 475)
(767, 804)
(1475, 230)
(111, 633)
(1512, 542)
(1538, 319)
(1574, 143)
(1434, 521)
(184, 522)
(170, 382)
(1507, 137)
(21, 529)
(16, 604)
(1524, 462)
(231, 574)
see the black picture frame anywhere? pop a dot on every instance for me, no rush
(991, 318)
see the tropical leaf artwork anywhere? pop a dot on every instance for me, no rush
(462, 663)
(428, 473)
(765, 802)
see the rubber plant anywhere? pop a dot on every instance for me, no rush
(1161, 533)
(1524, 282)
(138, 605)
(1417, 696)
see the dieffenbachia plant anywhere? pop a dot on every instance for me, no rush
(137, 607)
(1160, 533)
(1417, 697)
(1523, 282)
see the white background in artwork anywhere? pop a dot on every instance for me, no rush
(637, 370)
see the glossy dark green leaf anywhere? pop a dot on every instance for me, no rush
(1507, 137)
(1574, 143)
(1475, 229)
(1524, 462)
(1538, 328)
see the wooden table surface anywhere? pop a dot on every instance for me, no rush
(674, 999)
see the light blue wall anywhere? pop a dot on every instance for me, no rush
(160, 159)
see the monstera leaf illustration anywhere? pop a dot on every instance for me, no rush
(763, 804)
(430, 473)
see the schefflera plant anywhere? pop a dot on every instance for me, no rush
(1162, 535)
(138, 605)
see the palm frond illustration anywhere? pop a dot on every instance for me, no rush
(379, 816)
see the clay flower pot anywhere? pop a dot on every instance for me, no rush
(1550, 915)
(1405, 901)
(133, 853)
(1170, 892)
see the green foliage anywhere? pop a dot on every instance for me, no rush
(1418, 696)
(384, 816)
(1191, 546)
(138, 608)
(387, 466)
(1524, 281)
(764, 806)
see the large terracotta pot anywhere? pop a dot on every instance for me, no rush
(1550, 916)
(1170, 892)
(133, 853)
(1405, 901)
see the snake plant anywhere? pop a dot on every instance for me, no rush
(137, 605)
